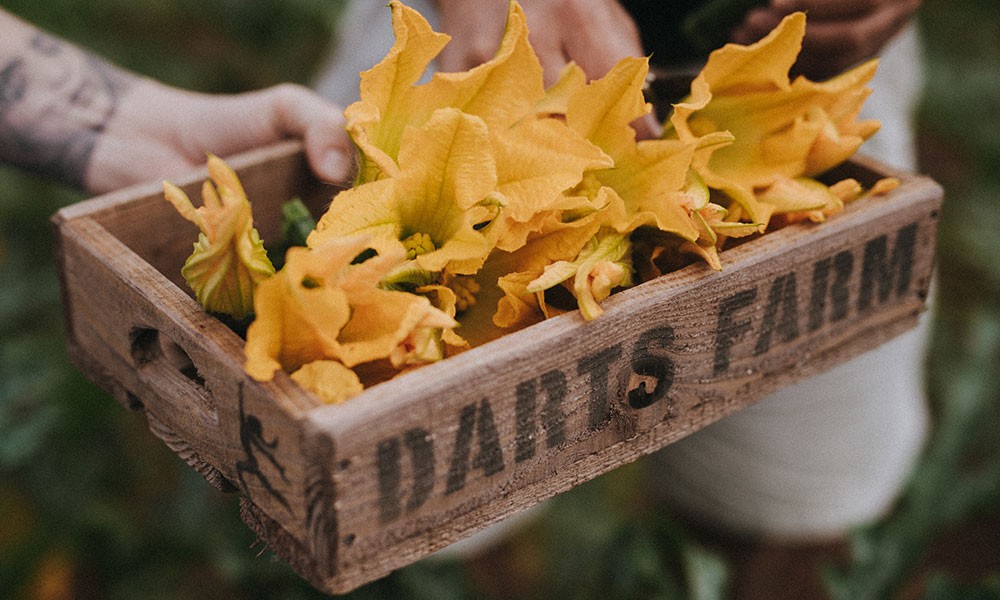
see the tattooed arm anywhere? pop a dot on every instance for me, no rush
(54, 102)
(71, 116)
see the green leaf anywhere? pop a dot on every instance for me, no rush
(297, 223)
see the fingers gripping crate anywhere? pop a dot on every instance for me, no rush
(347, 493)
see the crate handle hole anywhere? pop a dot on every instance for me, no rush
(148, 345)
(134, 403)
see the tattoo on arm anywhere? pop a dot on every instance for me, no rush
(55, 101)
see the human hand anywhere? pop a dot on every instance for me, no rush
(839, 33)
(595, 34)
(158, 131)
(71, 116)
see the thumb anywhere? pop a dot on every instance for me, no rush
(320, 124)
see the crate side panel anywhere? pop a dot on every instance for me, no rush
(430, 457)
(151, 346)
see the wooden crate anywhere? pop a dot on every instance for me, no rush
(348, 493)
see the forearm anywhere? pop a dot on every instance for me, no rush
(55, 101)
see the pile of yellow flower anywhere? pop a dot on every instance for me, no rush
(485, 202)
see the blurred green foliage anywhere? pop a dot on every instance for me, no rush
(212, 46)
(93, 506)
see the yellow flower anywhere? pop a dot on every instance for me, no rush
(229, 259)
(884, 186)
(514, 272)
(500, 91)
(649, 175)
(835, 197)
(377, 120)
(443, 193)
(322, 306)
(601, 266)
(536, 157)
(300, 311)
(715, 224)
(455, 294)
(782, 128)
(648, 184)
(556, 100)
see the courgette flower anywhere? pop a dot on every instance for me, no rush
(536, 157)
(499, 91)
(435, 207)
(229, 259)
(601, 266)
(782, 129)
(649, 175)
(323, 305)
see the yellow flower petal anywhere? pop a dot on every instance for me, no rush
(368, 209)
(594, 283)
(514, 234)
(602, 265)
(848, 190)
(182, 203)
(376, 122)
(329, 380)
(223, 277)
(383, 320)
(446, 299)
(500, 91)
(423, 346)
(736, 69)
(651, 182)
(520, 306)
(798, 195)
(603, 110)
(227, 183)
(884, 186)
(708, 252)
(537, 160)
(301, 310)
(556, 99)
(647, 175)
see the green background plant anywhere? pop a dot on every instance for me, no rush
(93, 506)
